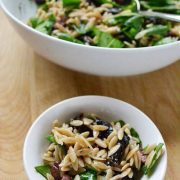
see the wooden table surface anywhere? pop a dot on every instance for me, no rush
(29, 84)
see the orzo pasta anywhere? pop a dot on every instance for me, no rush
(112, 153)
(107, 23)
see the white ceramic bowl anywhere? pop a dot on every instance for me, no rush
(88, 59)
(107, 108)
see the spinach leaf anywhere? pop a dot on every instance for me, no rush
(89, 174)
(167, 8)
(51, 139)
(43, 170)
(161, 30)
(118, 19)
(35, 21)
(132, 26)
(145, 148)
(104, 39)
(67, 37)
(130, 32)
(149, 170)
(158, 29)
(71, 3)
(158, 2)
(135, 134)
(165, 40)
(81, 29)
(135, 21)
(46, 26)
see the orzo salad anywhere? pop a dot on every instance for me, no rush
(107, 23)
(89, 148)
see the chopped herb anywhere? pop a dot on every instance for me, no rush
(89, 174)
(149, 170)
(135, 134)
(43, 170)
(51, 138)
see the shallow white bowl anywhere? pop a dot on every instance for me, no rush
(108, 108)
(88, 59)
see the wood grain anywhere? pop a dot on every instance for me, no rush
(29, 84)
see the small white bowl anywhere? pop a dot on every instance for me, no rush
(109, 109)
(88, 59)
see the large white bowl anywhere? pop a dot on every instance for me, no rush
(109, 109)
(88, 59)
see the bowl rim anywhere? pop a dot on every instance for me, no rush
(30, 29)
(60, 103)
